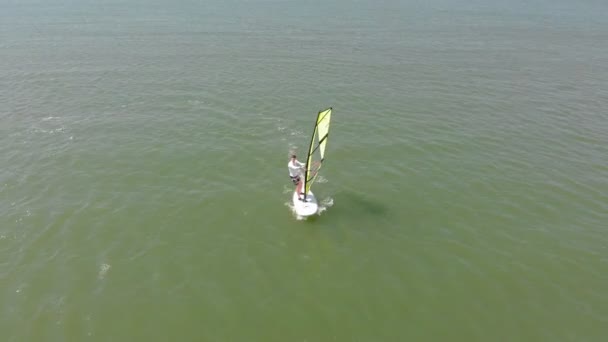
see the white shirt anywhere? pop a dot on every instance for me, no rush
(295, 168)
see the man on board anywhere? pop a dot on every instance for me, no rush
(295, 169)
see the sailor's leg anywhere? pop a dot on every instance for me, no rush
(299, 188)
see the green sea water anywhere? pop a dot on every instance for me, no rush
(144, 192)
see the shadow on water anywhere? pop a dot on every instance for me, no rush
(350, 212)
(357, 205)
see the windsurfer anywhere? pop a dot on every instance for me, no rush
(295, 172)
(295, 169)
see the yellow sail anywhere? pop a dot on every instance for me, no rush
(316, 150)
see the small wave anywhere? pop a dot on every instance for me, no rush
(103, 270)
(321, 179)
(195, 102)
(325, 204)
(48, 131)
(20, 288)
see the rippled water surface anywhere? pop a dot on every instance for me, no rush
(144, 192)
